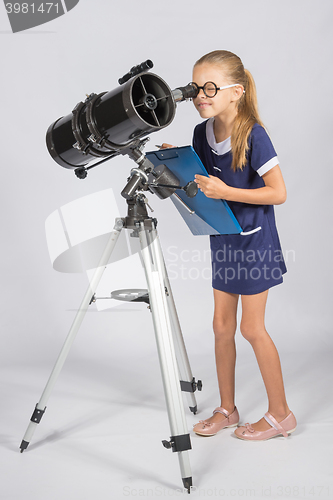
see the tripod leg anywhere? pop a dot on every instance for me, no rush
(187, 382)
(153, 265)
(41, 405)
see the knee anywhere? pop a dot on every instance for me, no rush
(251, 331)
(224, 329)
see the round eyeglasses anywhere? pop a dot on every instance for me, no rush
(210, 88)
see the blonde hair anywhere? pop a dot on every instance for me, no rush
(247, 105)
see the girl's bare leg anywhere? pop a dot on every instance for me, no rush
(224, 325)
(253, 329)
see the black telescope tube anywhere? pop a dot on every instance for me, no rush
(106, 123)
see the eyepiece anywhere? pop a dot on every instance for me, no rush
(183, 93)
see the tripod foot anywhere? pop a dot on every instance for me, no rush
(187, 481)
(194, 409)
(23, 446)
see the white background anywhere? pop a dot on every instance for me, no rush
(101, 434)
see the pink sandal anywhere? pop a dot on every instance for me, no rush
(204, 428)
(284, 428)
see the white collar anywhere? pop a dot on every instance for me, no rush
(219, 148)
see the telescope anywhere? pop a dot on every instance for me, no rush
(103, 126)
(117, 123)
(112, 123)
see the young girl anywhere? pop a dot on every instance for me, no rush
(243, 170)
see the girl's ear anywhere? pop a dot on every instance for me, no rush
(238, 92)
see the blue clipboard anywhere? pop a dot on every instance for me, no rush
(209, 216)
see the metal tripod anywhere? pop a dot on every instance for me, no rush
(174, 364)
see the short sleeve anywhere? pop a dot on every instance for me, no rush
(196, 140)
(263, 156)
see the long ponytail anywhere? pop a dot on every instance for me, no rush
(247, 106)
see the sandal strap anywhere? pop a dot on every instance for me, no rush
(274, 423)
(221, 410)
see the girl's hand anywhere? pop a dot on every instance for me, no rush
(212, 186)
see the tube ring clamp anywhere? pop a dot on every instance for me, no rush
(99, 139)
(81, 144)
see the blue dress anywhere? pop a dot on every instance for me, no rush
(251, 262)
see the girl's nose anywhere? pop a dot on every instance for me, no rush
(202, 93)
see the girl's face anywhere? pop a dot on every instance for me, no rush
(224, 104)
